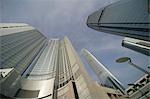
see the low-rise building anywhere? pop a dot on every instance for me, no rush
(140, 89)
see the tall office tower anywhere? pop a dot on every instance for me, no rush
(137, 45)
(33, 67)
(20, 45)
(128, 18)
(104, 75)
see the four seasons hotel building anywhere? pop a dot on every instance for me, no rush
(34, 67)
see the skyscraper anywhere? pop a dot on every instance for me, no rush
(129, 18)
(105, 77)
(137, 45)
(33, 66)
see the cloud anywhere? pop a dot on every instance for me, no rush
(53, 17)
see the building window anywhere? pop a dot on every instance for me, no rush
(109, 95)
(21, 93)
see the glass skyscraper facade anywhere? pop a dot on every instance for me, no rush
(34, 67)
(128, 18)
(19, 49)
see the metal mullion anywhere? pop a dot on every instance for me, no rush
(55, 60)
(61, 63)
(64, 64)
(40, 68)
(21, 43)
(43, 46)
(33, 48)
(68, 62)
(52, 54)
(56, 81)
(66, 69)
(16, 55)
(20, 38)
(37, 65)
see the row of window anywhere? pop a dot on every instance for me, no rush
(20, 48)
(46, 63)
(18, 44)
(65, 71)
(16, 36)
(17, 57)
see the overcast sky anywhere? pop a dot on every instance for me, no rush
(59, 18)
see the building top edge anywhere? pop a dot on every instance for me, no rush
(13, 24)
